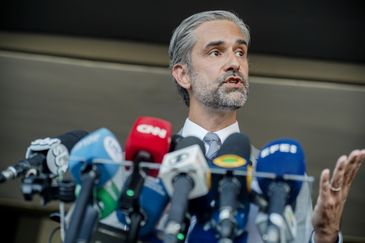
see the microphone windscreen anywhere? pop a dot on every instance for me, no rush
(235, 155)
(238, 144)
(174, 140)
(281, 157)
(188, 141)
(69, 139)
(58, 154)
(149, 134)
(101, 149)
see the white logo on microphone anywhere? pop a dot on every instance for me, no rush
(149, 129)
(113, 148)
(283, 147)
(57, 159)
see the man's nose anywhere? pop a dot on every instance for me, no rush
(232, 62)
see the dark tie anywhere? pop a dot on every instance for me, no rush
(214, 143)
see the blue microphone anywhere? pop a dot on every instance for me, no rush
(99, 149)
(281, 157)
(153, 201)
(94, 160)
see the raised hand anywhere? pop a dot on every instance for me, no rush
(332, 196)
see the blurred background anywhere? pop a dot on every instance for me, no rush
(68, 65)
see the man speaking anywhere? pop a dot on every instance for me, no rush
(208, 61)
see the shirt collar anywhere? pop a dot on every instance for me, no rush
(192, 129)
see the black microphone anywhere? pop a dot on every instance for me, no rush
(175, 139)
(222, 215)
(233, 156)
(39, 158)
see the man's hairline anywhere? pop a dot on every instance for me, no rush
(195, 40)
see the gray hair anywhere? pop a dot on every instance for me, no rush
(183, 40)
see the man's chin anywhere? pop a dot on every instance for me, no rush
(229, 107)
(227, 102)
(234, 101)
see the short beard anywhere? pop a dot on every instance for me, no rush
(220, 98)
(231, 99)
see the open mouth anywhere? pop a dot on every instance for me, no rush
(233, 80)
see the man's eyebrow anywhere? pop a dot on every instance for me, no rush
(220, 42)
(214, 43)
(242, 42)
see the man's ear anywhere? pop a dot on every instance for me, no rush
(179, 71)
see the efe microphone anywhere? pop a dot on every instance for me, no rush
(280, 157)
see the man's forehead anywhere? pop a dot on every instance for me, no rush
(219, 31)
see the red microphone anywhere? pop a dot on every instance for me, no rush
(148, 141)
(149, 135)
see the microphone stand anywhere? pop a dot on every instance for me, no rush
(275, 232)
(89, 224)
(229, 188)
(183, 184)
(83, 206)
(129, 200)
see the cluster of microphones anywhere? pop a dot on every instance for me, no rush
(161, 187)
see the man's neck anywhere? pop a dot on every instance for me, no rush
(212, 119)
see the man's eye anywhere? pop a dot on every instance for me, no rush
(214, 53)
(240, 53)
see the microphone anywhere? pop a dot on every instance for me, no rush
(94, 160)
(52, 152)
(282, 157)
(175, 139)
(153, 201)
(185, 174)
(233, 187)
(148, 141)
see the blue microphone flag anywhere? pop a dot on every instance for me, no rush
(101, 149)
(282, 157)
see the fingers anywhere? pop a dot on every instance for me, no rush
(352, 165)
(338, 173)
(324, 183)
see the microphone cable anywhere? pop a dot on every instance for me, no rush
(51, 235)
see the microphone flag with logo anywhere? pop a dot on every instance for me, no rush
(185, 174)
(148, 141)
(94, 160)
(282, 158)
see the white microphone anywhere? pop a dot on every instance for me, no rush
(186, 175)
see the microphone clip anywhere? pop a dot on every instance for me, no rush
(45, 186)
